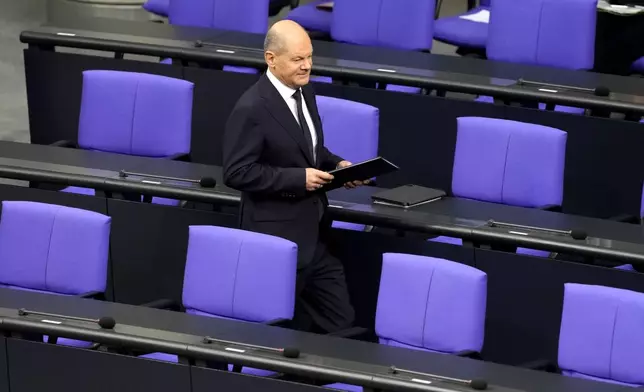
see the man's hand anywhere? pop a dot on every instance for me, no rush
(316, 178)
(352, 184)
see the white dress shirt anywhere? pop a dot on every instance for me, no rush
(287, 93)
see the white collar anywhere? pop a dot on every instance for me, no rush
(285, 91)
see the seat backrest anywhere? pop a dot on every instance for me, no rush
(239, 274)
(600, 333)
(136, 114)
(402, 24)
(431, 303)
(249, 16)
(53, 248)
(558, 33)
(509, 162)
(350, 128)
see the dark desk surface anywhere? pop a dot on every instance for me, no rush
(335, 59)
(451, 216)
(364, 355)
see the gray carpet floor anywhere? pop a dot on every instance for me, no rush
(18, 15)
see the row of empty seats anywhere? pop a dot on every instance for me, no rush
(424, 303)
(558, 33)
(495, 160)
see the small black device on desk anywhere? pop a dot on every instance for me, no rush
(360, 172)
(407, 196)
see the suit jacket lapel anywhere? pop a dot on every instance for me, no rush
(281, 112)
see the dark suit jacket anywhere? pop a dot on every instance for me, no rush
(265, 157)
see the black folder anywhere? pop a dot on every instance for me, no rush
(359, 172)
(407, 196)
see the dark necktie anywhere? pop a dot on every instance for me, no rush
(305, 127)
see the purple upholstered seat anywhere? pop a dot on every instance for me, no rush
(604, 344)
(53, 249)
(135, 114)
(311, 18)
(238, 275)
(250, 16)
(350, 131)
(556, 33)
(455, 30)
(429, 304)
(158, 7)
(389, 23)
(508, 162)
(443, 301)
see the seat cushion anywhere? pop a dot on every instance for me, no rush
(91, 192)
(79, 190)
(321, 79)
(522, 251)
(173, 358)
(533, 252)
(462, 32)
(542, 106)
(448, 240)
(348, 226)
(344, 387)
(626, 267)
(403, 89)
(244, 70)
(312, 18)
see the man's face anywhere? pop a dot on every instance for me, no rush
(292, 64)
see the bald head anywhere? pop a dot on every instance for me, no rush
(283, 33)
(288, 52)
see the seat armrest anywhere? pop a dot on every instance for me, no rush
(64, 143)
(100, 295)
(180, 157)
(351, 333)
(469, 354)
(280, 322)
(541, 364)
(164, 303)
(551, 207)
(626, 218)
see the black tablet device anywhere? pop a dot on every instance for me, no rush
(359, 172)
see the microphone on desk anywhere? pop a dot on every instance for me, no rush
(105, 322)
(205, 182)
(288, 352)
(600, 91)
(479, 385)
(575, 233)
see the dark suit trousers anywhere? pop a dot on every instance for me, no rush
(322, 299)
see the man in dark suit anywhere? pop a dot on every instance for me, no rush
(274, 153)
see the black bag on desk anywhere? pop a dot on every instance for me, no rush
(406, 196)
